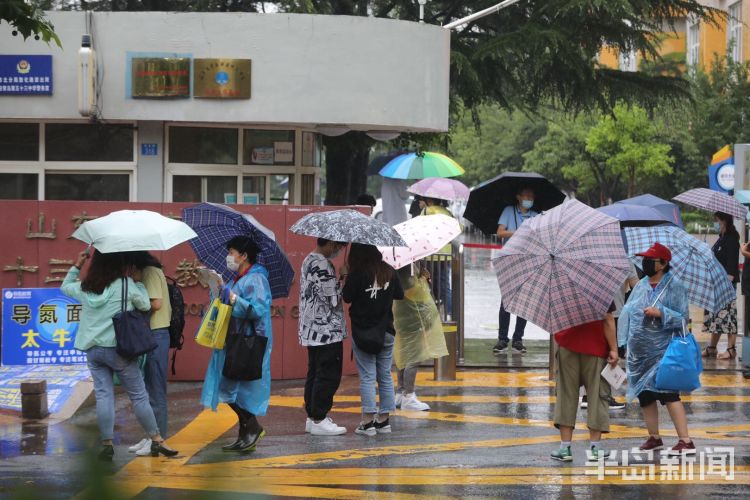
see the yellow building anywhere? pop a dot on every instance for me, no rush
(694, 43)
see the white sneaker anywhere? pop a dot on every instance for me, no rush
(308, 425)
(144, 450)
(139, 445)
(399, 399)
(411, 403)
(326, 427)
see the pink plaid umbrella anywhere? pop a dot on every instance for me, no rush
(440, 188)
(424, 235)
(562, 268)
(713, 201)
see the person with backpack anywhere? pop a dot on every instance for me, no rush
(101, 296)
(322, 330)
(157, 361)
(371, 286)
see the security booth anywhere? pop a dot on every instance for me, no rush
(159, 111)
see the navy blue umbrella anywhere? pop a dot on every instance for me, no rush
(216, 224)
(635, 215)
(668, 209)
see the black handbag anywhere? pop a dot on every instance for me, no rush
(132, 329)
(244, 354)
(371, 339)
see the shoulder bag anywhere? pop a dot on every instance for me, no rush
(132, 329)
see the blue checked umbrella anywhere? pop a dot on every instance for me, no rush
(216, 224)
(562, 268)
(693, 263)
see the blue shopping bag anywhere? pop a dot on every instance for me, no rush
(681, 367)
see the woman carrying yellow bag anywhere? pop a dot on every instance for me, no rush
(213, 330)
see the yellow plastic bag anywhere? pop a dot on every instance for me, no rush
(213, 330)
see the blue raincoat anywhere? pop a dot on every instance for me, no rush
(647, 338)
(253, 301)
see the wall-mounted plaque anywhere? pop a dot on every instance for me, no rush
(161, 77)
(221, 78)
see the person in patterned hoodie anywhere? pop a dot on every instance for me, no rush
(322, 330)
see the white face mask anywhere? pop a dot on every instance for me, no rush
(232, 264)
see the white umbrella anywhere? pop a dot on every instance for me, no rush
(131, 230)
(424, 235)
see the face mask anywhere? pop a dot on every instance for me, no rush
(649, 267)
(717, 227)
(527, 204)
(232, 264)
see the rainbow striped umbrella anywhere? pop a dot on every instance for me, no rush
(421, 166)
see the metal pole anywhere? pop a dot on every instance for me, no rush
(480, 14)
(458, 296)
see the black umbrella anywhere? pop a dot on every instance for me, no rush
(381, 161)
(487, 200)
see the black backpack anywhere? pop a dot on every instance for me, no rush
(177, 321)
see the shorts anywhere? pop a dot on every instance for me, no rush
(573, 371)
(647, 397)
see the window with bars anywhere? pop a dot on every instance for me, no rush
(693, 43)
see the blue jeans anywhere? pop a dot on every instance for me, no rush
(155, 377)
(374, 368)
(103, 362)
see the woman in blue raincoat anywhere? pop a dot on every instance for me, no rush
(250, 297)
(657, 309)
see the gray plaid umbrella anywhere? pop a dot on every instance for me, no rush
(562, 268)
(713, 201)
(350, 226)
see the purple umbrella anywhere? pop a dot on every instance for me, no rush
(563, 268)
(440, 188)
(713, 201)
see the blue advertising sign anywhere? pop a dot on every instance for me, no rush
(721, 176)
(25, 75)
(39, 327)
(149, 149)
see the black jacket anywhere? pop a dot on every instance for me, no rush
(727, 252)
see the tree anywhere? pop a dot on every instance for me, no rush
(561, 156)
(626, 142)
(27, 19)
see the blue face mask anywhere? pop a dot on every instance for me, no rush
(717, 227)
(527, 204)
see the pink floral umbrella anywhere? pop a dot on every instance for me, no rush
(440, 188)
(424, 235)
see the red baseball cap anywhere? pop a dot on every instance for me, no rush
(657, 251)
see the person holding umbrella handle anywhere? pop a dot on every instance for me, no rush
(513, 217)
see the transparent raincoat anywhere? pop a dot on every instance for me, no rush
(419, 330)
(253, 301)
(647, 338)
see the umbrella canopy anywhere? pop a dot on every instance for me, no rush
(424, 236)
(377, 164)
(713, 201)
(635, 215)
(132, 230)
(563, 267)
(421, 166)
(668, 209)
(487, 200)
(217, 224)
(693, 263)
(440, 188)
(350, 226)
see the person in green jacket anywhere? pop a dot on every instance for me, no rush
(100, 295)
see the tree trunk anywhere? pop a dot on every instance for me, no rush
(347, 157)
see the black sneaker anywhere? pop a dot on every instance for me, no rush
(501, 346)
(519, 348)
(383, 427)
(366, 429)
(584, 402)
(615, 405)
